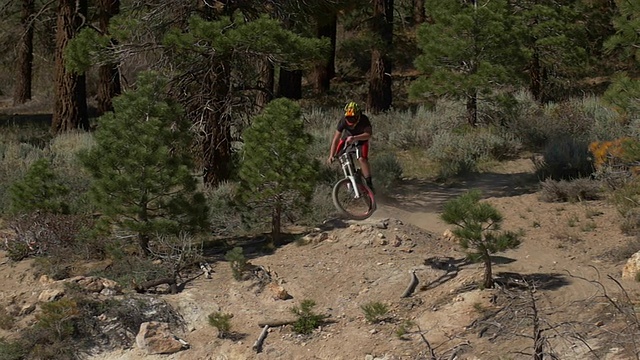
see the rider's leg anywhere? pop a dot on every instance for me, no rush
(363, 157)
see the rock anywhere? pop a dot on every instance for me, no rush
(315, 238)
(448, 235)
(278, 292)
(27, 309)
(49, 295)
(632, 267)
(156, 338)
(96, 284)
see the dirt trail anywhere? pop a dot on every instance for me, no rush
(420, 202)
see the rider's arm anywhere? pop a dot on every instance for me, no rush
(366, 135)
(334, 143)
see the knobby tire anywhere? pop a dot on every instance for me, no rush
(343, 200)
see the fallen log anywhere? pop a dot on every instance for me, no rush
(257, 346)
(141, 288)
(282, 322)
(412, 285)
(276, 323)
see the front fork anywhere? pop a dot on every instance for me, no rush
(348, 173)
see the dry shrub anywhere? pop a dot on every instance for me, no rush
(571, 191)
(58, 240)
(564, 158)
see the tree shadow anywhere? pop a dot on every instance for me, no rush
(450, 265)
(501, 260)
(25, 120)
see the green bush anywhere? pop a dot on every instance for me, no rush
(222, 322)
(57, 318)
(40, 189)
(386, 170)
(375, 311)
(307, 320)
(464, 149)
(7, 320)
(224, 217)
(12, 350)
(237, 261)
(320, 207)
(404, 328)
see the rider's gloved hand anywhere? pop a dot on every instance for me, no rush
(331, 159)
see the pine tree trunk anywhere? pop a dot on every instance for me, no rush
(24, 65)
(290, 84)
(70, 101)
(217, 130)
(109, 85)
(419, 14)
(537, 79)
(379, 97)
(324, 72)
(266, 83)
(472, 109)
(276, 223)
(143, 242)
(488, 274)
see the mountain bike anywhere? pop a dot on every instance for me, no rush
(351, 195)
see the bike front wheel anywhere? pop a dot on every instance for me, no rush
(345, 200)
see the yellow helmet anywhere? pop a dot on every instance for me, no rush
(352, 113)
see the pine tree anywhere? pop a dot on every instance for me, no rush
(141, 165)
(276, 173)
(478, 224)
(468, 50)
(40, 189)
(624, 91)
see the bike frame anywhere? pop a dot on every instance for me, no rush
(350, 171)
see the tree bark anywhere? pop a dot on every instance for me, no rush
(109, 85)
(380, 97)
(290, 84)
(217, 128)
(419, 14)
(24, 65)
(70, 101)
(266, 83)
(537, 78)
(324, 72)
(276, 223)
(488, 274)
(472, 109)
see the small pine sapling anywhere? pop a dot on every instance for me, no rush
(40, 189)
(477, 230)
(237, 261)
(307, 320)
(222, 322)
(374, 311)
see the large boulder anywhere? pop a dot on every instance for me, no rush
(156, 338)
(632, 268)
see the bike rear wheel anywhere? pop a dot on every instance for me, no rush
(354, 208)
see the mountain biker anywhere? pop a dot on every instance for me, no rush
(353, 127)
